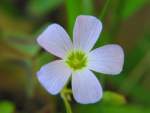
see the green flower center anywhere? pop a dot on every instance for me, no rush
(76, 60)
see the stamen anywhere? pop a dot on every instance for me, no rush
(76, 60)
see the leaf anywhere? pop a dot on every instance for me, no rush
(113, 98)
(9, 52)
(87, 7)
(136, 95)
(73, 10)
(41, 7)
(103, 108)
(132, 6)
(22, 43)
(6, 107)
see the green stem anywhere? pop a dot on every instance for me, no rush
(63, 96)
(103, 13)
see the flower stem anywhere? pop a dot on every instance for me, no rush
(63, 94)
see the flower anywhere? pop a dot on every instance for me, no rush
(77, 59)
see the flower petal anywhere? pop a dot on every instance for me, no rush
(86, 87)
(108, 59)
(86, 32)
(53, 76)
(55, 40)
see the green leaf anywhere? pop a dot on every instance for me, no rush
(9, 52)
(40, 7)
(103, 108)
(113, 98)
(73, 10)
(22, 43)
(87, 7)
(6, 107)
(131, 6)
(137, 92)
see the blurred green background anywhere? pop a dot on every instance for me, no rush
(126, 22)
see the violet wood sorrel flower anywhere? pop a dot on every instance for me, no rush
(77, 59)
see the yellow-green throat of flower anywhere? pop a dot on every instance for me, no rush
(76, 60)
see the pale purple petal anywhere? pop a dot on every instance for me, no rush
(53, 76)
(86, 88)
(55, 40)
(108, 59)
(86, 32)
